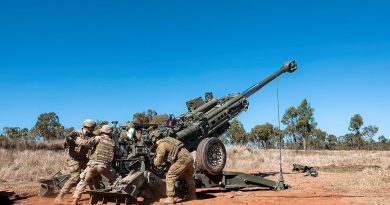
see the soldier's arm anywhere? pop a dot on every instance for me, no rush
(96, 132)
(91, 142)
(160, 155)
(70, 138)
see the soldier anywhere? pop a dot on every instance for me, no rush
(77, 159)
(171, 150)
(130, 134)
(100, 162)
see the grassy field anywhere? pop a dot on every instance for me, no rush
(30, 165)
(247, 158)
(360, 173)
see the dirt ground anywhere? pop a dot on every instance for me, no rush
(304, 190)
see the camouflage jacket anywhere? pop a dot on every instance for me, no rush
(73, 146)
(169, 149)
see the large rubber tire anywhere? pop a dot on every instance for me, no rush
(211, 156)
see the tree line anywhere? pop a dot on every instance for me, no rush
(48, 126)
(300, 131)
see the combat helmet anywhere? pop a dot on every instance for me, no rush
(107, 129)
(89, 123)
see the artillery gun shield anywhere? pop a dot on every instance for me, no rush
(211, 156)
(52, 184)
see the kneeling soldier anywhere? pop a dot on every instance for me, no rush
(100, 162)
(171, 150)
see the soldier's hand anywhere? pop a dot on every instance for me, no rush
(72, 135)
(69, 139)
(65, 144)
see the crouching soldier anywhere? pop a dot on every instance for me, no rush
(171, 150)
(77, 159)
(100, 162)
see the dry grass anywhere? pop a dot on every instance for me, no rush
(29, 165)
(243, 158)
(27, 144)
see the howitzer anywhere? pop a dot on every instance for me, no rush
(199, 129)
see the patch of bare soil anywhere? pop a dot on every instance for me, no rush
(22, 188)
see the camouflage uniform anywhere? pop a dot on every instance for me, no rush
(99, 163)
(172, 150)
(77, 159)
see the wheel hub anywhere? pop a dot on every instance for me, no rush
(215, 157)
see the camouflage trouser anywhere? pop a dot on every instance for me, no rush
(90, 173)
(182, 167)
(75, 166)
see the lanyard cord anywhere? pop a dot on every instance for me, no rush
(281, 180)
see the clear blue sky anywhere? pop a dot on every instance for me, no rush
(108, 59)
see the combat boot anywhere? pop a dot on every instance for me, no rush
(60, 199)
(75, 201)
(168, 200)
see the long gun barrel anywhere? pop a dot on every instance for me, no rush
(218, 112)
(289, 66)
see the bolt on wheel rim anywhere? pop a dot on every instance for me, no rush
(215, 155)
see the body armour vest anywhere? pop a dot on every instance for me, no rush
(175, 146)
(104, 151)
